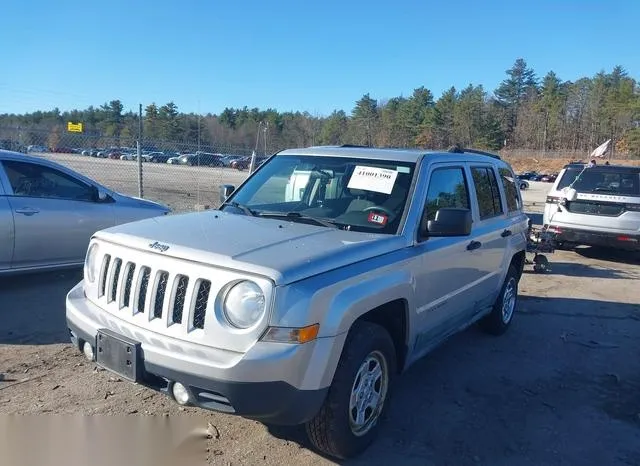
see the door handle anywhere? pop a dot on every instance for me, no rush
(27, 211)
(505, 233)
(473, 245)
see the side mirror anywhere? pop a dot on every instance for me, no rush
(99, 195)
(225, 191)
(448, 222)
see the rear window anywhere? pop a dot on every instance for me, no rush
(595, 180)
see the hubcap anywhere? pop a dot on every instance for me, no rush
(509, 301)
(368, 393)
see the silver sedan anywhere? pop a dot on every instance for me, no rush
(48, 213)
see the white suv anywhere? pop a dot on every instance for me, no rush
(595, 205)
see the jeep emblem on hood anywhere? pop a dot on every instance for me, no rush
(159, 247)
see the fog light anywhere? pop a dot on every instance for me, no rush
(180, 393)
(87, 349)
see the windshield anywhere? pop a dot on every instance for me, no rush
(594, 180)
(349, 193)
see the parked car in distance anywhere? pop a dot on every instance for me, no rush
(245, 162)
(161, 157)
(179, 160)
(227, 160)
(204, 159)
(595, 206)
(49, 212)
(129, 156)
(333, 270)
(528, 175)
(524, 184)
(37, 148)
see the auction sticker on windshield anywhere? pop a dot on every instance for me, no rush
(380, 180)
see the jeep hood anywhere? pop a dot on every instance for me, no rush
(282, 250)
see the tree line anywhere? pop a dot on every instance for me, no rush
(525, 111)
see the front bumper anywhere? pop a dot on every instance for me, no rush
(596, 238)
(244, 385)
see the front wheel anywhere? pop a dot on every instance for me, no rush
(348, 421)
(498, 321)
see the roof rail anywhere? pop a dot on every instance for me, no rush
(458, 149)
(356, 146)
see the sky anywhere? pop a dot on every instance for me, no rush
(314, 56)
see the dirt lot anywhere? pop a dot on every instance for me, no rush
(562, 387)
(553, 165)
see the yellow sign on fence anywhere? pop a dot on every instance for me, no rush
(74, 127)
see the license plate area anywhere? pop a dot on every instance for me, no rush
(118, 354)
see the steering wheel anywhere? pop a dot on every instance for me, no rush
(380, 209)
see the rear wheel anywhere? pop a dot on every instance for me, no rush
(348, 421)
(498, 321)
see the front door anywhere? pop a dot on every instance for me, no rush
(448, 266)
(54, 213)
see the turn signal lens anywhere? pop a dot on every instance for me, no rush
(292, 335)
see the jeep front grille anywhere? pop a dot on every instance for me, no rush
(178, 302)
(131, 268)
(104, 272)
(144, 286)
(161, 289)
(117, 265)
(139, 289)
(202, 298)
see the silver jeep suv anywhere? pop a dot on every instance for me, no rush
(595, 205)
(327, 273)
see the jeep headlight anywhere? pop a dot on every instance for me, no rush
(244, 304)
(90, 263)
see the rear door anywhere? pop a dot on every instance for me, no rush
(6, 225)
(491, 230)
(54, 214)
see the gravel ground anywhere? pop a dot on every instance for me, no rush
(562, 387)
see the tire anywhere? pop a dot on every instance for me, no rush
(501, 316)
(330, 431)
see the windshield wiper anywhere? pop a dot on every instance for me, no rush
(604, 189)
(298, 215)
(242, 207)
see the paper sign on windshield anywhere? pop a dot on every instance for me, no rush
(380, 180)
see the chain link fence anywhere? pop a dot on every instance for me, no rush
(183, 176)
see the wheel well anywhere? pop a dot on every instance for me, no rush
(393, 317)
(518, 261)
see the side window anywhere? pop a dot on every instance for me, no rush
(510, 189)
(489, 201)
(34, 180)
(447, 188)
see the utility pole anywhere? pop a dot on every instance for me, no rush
(139, 147)
(266, 129)
(252, 166)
